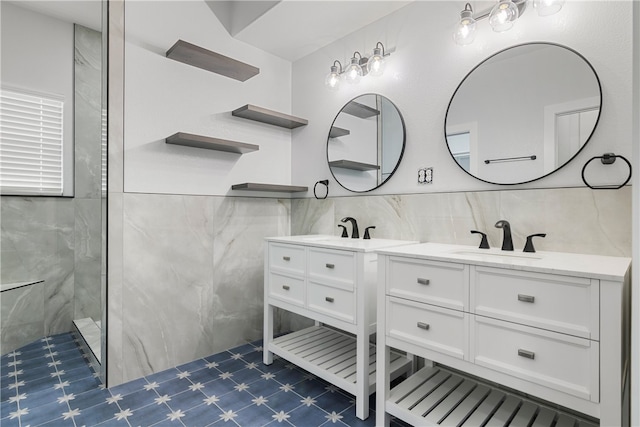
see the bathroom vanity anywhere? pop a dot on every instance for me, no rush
(331, 280)
(550, 325)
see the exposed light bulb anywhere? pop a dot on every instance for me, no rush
(503, 15)
(376, 63)
(547, 7)
(465, 31)
(333, 79)
(353, 73)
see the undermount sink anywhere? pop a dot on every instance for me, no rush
(496, 254)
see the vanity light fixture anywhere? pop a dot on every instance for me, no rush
(359, 67)
(501, 17)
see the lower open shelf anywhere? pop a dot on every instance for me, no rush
(435, 396)
(331, 355)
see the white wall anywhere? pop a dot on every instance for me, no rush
(425, 70)
(37, 56)
(635, 287)
(163, 96)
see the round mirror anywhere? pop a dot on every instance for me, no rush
(523, 113)
(365, 143)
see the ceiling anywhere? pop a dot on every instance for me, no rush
(292, 29)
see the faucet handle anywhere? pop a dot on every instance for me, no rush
(484, 243)
(366, 232)
(344, 230)
(528, 247)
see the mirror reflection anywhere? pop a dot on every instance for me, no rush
(365, 143)
(523, 113)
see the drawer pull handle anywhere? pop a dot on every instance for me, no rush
(526, 298)
(286, 258)
(328, 299)
(423, 281)
(424, 326)
(330, 266)
(286, 287)
(526, 353)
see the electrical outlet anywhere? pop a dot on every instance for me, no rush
(425, 175)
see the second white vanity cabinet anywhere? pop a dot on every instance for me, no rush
(550, 325)
(331, 280)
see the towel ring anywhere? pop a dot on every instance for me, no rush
(324, 182)
(606, 159)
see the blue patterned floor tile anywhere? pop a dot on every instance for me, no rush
(307, 415)
(137, 399)
(333, 402)
(290, 376)
(114, 422)
(148, 415)
(33, 373)
(264, 387)
(6, 408)
(82, 385)
(39, 384)
(75, 374)
(218, 357)
(129, 387)
(41, 414)
(173, 386)
(193, 366)
(71, 363)
(6, 393)
(277, 423)
(10, 422)
(163, 376)
(231, 365)
(284, 401)
(311, 388)
(186, 400)
(202, 416)
(255, 415)
(60, 422)
(275, 367)
(350, 419)
(242, 349)
(204, 375)
(247, 375)
(234, 401)
(42, 397)
(89, 398)
(97, 414)
(218, 388)
(253, 357)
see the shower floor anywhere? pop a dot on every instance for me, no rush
(50, 383)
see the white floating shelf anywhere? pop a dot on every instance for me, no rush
(200, 57)
(209, 143)
(271, 117)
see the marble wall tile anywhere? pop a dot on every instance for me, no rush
(21, 316)
(311, 216)
(88, 259)
(113, 345)
(167, 274)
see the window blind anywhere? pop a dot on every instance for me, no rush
(31, 138)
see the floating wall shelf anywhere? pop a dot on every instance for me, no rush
(360, 110)
(197, 56)
(271, 117)
(337, 132)
(252, 186)
(356, 166)
(209, 143)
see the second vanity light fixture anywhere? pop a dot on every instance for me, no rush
(359, 67)
(501, 17)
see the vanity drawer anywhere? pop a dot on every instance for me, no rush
(289, 258)
(563, 304)
(286, 288)
(561, 362)
(432, 282)
(333, 267)
(332, 301)
(434, 328)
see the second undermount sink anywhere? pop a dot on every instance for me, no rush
(496, 254)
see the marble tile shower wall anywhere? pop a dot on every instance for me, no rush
(577, 220)
(192, 277)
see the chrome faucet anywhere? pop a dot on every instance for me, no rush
(354, 229)
(507, 243)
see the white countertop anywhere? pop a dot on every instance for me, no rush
(8, 286)
(566, 264)
(345, 243)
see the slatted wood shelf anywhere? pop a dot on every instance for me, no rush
(209, 143)
(356, 166)
(200, 57)
(435, 396)
(271, 117)
(360, 110)
(331, 355)
(337, 132)
(254, 186)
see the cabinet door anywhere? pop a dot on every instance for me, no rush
(564, 304)
(332, 301)
(287, 288)
(561, 362)
(337, 268)
(431, 327)
(432, 282)
(287, 258)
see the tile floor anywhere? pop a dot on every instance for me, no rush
(49, 383)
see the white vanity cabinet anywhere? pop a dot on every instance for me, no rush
(332, 281)
(554, 326)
